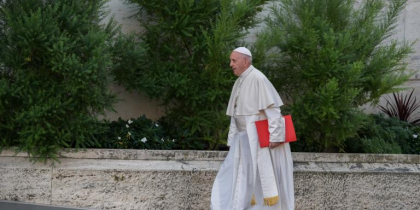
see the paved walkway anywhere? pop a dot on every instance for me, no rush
(11, 205)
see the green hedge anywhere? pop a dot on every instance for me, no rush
(380, 134)
(55, 66)
(188, 60)
(328, 58)
(56, 63)
(143, 133)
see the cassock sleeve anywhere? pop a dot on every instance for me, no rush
(232, 131)
(276, 124)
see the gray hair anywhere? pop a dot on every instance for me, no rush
(249, 58)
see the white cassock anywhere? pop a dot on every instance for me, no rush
(252, 177)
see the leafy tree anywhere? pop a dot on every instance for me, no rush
(188, 60)
(55, 63)
(330, 57)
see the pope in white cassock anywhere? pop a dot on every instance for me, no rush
(252, 177)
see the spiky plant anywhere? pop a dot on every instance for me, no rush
(402, 107)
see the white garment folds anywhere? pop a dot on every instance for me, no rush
(239, 182)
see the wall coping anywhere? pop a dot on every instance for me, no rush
(205, 155)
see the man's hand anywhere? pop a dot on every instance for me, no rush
(274, 144)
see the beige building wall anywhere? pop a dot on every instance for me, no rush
(134, 104)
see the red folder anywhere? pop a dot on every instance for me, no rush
(264, 134)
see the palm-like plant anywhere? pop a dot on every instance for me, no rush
(403, 108)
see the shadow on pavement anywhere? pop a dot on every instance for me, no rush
(12, 205)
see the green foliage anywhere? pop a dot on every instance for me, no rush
(54, 73)
(330, 57)
(189, 45)
(139, 133)
(143, 133)
(184, 138)
(414, 143)
(381, 134)
(128, 59)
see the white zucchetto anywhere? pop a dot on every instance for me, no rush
(243, 50)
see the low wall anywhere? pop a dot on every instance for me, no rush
(150, 179)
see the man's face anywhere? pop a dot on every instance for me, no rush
(238, 63)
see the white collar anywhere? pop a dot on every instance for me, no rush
(246, 72)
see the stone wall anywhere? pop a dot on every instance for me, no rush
(150, 179)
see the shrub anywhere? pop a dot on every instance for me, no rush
(140, 133)
(54, 73)
(189, 45)
(381, 134)
(415, 141)
(331, 57)
(143, 133)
